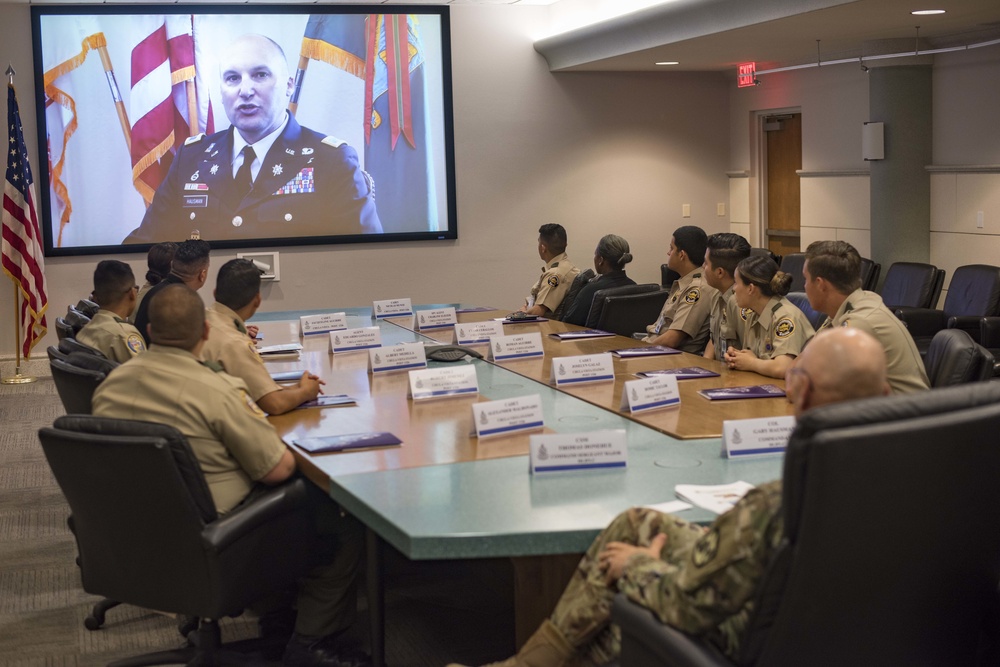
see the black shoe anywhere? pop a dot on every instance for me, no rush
(311, 652)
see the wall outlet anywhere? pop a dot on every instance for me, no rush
(267, 262)
(720, 209)
(685, 210)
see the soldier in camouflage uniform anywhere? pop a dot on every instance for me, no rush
(700, 580)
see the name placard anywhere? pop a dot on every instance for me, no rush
(513, 415)
(561, 452)
(477, 333)
(395, 358)
(392, 308)
(583, 368)
(443, 382)
(650, 394)
(437, 318)
(352, 340)
(518, 346)
(314, 324)
(743, 438)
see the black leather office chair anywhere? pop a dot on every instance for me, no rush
(891, 554)
(148, 534)
(63, 329)
(76, 320)
(870, 272)
(579, 281)
(76, 377)
(55, 353)
(70, 345)
(954, 358)
(801, 301)
(596, 313)
(626, 314)
(792, 264)
(667, 276)
(87, 307)
(912, 284)
(974, 293)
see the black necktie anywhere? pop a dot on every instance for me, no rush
(244, 177)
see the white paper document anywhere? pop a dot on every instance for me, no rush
(718, 498)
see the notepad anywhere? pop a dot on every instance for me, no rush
(526, 320)
(329, 401)
(339, 443)
(752, 391)
(287, 350)
(586, 333)
(718, 498)
(287, 376)
(686, 373)
(648, 351)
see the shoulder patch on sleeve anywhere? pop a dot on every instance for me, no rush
(692, 295)
(251, 405)
(553, 281)
(195, 139)
(706, 548)
(333, 141)
(135, 343)
(745, 313)
(784, 327)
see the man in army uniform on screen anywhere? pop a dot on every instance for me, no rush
(266, 176)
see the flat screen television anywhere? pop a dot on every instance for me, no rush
(144, 112)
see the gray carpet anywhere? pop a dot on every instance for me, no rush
(435, 612)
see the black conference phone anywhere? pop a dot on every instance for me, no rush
(450, 352)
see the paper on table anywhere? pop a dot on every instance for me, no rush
(671, 507)
(718, 498)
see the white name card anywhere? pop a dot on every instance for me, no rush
(437, 318)
(756, 437)
(518, 346)
(352, 340)
(314, 324)
(477, 333)
(582, 369)
(513, 415)
(394, 358)
(560, 452)
(443, 382)
(650, 394)
(392, 308)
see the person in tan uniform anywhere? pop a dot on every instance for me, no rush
(725, 251)
(237, 449)
(109, 331)
(237, 297)
(684, 322)
(698, 579)
(776, 330)
(557, 274)
(833, 284)
(188, 266)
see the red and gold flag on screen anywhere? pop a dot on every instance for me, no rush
(22, 243)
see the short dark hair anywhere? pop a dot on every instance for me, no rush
(190, 258)
(693, 241)
(158, 260)
(554, 237)
(112, 281)
(726, 250)
(176, 317)
(761, 271)
(237, 284)
(836, 262)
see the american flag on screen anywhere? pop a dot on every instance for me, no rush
(22, 243)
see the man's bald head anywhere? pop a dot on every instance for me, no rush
(256, 85)
(839, 364)
(176, 317)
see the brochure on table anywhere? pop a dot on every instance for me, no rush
(718, 498)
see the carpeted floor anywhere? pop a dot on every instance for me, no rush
(435, 612)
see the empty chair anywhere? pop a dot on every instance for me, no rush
(600, 300)
(63, 329)
(870, 272)
(792, 264)
(56, 353)
(581, 279)
(801, 301)
(69, 345)
(667, 276)
(912, 284)
(87, 307)
(888, 556)
(75, 319)
(625, 314)
(75, 385)
(954, 358)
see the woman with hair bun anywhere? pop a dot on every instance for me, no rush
(776, 330)
(610, 258)
(158, 260)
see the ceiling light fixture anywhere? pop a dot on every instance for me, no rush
(668, 62)
(927, 12)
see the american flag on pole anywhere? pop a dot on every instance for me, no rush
(22, 242)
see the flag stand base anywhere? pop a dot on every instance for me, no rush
(17, 378)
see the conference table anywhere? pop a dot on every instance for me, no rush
(443, 494)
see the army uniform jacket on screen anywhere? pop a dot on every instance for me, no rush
(308, 185)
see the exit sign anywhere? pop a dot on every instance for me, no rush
(746, 74)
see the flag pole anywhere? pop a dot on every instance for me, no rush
(17, 378)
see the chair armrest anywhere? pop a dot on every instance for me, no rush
(989, 332)
(648, 642)
(270, 505)
(970, 324)
(922, 321)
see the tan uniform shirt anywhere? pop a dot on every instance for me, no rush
(725, 323)
(552, 285)
(780, 329)
(688, 309)
(138, 299)
(865, 311)
(114, 337)
(230, 436)
(229, 345)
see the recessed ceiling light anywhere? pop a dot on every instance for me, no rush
(668, 62)
(927, 12)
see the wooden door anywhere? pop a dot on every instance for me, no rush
(784, 157)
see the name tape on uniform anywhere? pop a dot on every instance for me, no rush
(353, 340)
(562, 452)
(437, 318)
(518, 346)
(392, 308)
(514, 415)
(652, 393)
(314, 324)
(443, 382)
(582, 369)
(395, 358)
(477, 333)
(756, 437)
